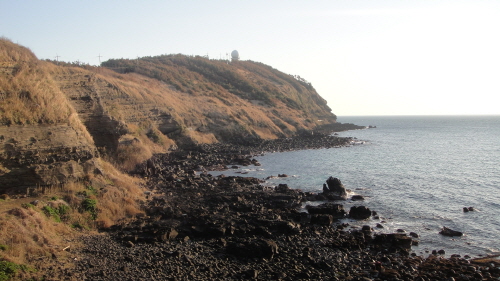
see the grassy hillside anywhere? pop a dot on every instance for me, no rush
(251, 81)
(27, 93)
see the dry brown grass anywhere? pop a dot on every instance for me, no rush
(11, 52)
(28, 234)
(131, 153)
(122, 198)
(27, 93)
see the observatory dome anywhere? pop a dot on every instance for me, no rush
(235, 55)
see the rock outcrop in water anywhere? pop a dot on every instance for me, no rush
(333, 189)
(450, 232)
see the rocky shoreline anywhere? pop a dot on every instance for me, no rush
(200, 227)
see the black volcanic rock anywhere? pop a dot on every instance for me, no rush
(258, 248)
(360, 212)
(450, 232)
(336, 210)
(334, 189)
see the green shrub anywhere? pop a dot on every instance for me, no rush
(64, 211)
(90, 205)
(89, 190)
(8, 270)
(28, 206)
(4, 247)
(58, 214)
(52, 213)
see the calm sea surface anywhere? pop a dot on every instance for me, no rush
(417, 172)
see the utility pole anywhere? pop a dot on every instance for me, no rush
(99, 56)
(57, 59)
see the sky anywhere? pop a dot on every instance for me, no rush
(364, 57)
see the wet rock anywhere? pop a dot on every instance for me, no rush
(450, 232)
(398, 240)
(360, 212)
(282, 188)
(336, 210)
(357, 198)
(322, 219)
(414, 235)
(334, 189)
(366, 228)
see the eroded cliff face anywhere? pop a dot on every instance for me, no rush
(42, 140)
(109, 112)
(37, 155)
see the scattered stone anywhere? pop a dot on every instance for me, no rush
(414, 235)
(468, 209)
(259, 248)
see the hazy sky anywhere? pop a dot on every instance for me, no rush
(364, 57)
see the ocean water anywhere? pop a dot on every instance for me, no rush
(416, 172)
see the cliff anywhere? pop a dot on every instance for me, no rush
(58, 120)
(42, 140)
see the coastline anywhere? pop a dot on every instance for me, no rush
(200, 227)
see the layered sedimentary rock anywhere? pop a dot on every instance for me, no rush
(34, 155)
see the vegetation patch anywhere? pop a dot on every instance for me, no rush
(90, 206)
(8, 269)
(60, 213)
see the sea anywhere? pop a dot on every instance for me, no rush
(416, 172)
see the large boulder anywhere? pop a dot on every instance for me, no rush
(258, 248)
(334, 189)
(393, 240)
(450, 232)
(336, 210)
(360, 212)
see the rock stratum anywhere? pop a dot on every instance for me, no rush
(58, 120)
